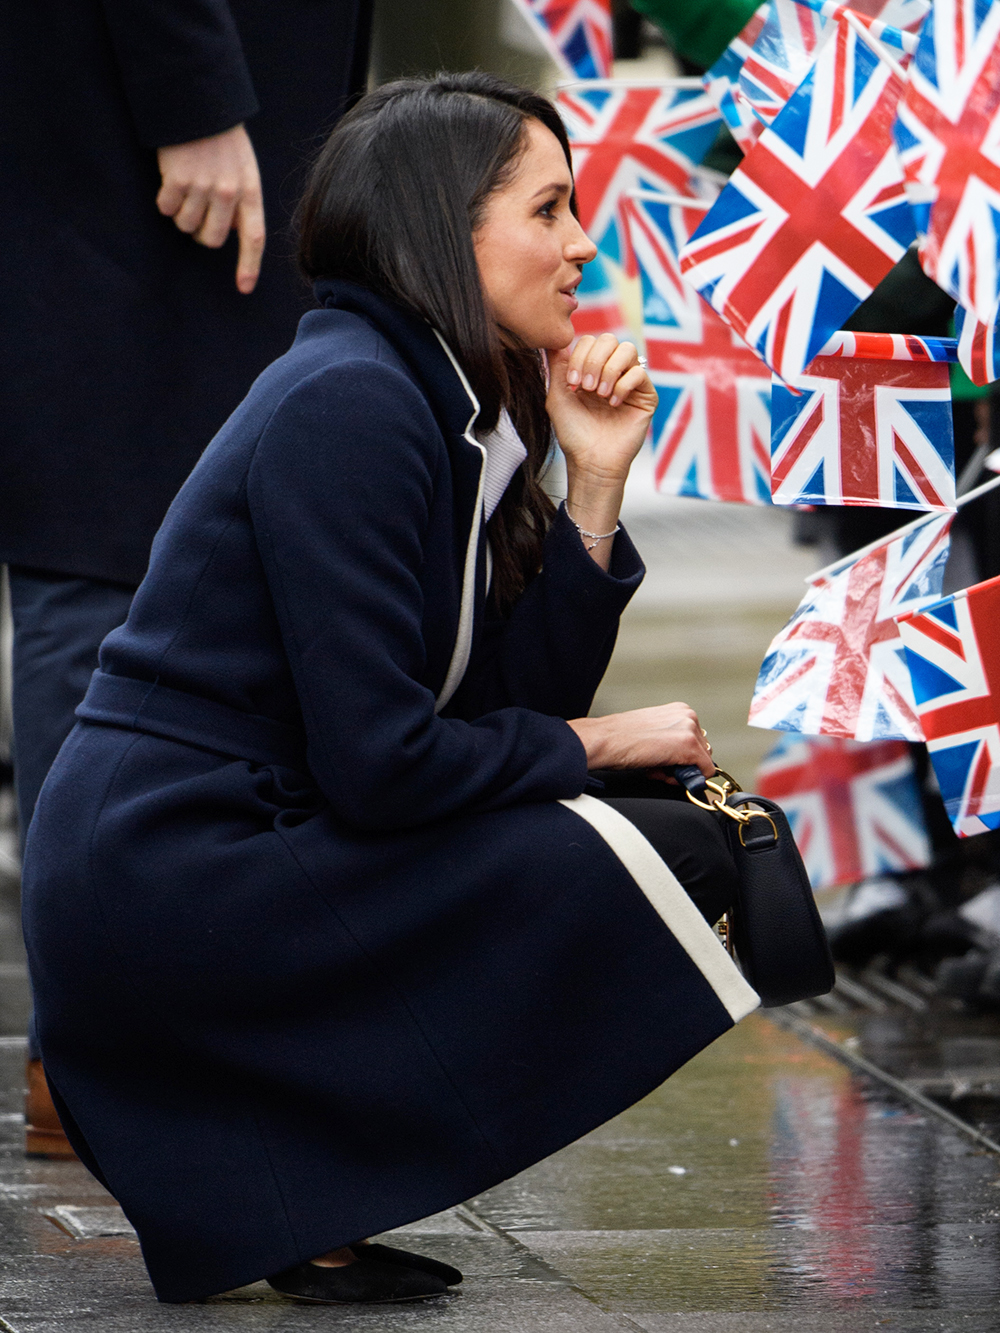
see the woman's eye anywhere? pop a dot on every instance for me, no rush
(548, 210)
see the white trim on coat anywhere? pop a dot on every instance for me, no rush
(663, 890)
(463, 635)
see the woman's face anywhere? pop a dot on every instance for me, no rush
(531, 249)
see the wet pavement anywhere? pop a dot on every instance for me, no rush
(773, 1184)
(766, 1186)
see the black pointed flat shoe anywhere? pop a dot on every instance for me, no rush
(366, 1282)
(389, 1255)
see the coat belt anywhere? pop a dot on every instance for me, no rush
(158, 710)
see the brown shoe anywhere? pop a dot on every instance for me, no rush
(43, 1134)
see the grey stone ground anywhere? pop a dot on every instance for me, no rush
(764, 1188)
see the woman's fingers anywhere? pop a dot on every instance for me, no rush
(634, 378)
(645, 738)
(622, 359)
(606, 367)
(588, 360)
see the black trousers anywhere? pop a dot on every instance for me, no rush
(691, 841)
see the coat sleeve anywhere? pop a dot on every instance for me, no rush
(341, 492)
(182, 67)
(553, 651)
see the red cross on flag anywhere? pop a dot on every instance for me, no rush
(854, 809)
(864, 432)
(953, 653)
(627, 137)
(837, 668)
(814, 217)
(711, 429)
(948, 134)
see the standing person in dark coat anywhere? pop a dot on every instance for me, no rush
(326, 806)
(131, 327)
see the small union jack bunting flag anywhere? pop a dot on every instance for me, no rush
(782, 56)
(722, 83)
(947, 137)
(814, 217)
(712, 425)
(890, 347)
(576, 34)
(789, 43)
(837, 667)
(978, 351)
(631, 137)
(854, 809)
(908, 15)
(863, 432)
(953, 652)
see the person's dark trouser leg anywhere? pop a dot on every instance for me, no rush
(690, 840)
(59, 624)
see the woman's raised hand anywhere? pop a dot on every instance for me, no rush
(600, 402)
(645, 738)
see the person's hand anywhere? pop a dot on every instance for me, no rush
(211, 186)
(600, 402)
(645, 738)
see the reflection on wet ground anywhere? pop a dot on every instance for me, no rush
(764, 1177)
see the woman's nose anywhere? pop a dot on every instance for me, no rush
(580, 249)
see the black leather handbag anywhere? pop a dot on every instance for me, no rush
(774, 927)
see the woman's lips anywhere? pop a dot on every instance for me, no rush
(568, 293)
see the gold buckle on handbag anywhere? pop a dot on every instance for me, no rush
(722, 786)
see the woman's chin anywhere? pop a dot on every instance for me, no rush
(560, 338)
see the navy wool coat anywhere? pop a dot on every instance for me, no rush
(124, 345)
(324, 931)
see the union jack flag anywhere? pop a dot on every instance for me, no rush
(712, 425)
(576, 34)
(862, 432)
(814, 217)
(791, 38)
(953, 652)
(978, 352)
(782, 56)
(907, 15)
(634, 137)
(722, 83)
(948, 135)
(890, 347)
(854, 808)
(837, 667)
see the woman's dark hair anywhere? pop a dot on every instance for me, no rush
(392, 203)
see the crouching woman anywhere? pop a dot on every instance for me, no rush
(330, 926)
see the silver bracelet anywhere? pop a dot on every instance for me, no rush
(597, 536)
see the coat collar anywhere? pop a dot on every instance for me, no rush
(417, 342)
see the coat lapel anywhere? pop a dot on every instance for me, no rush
(456, 408)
